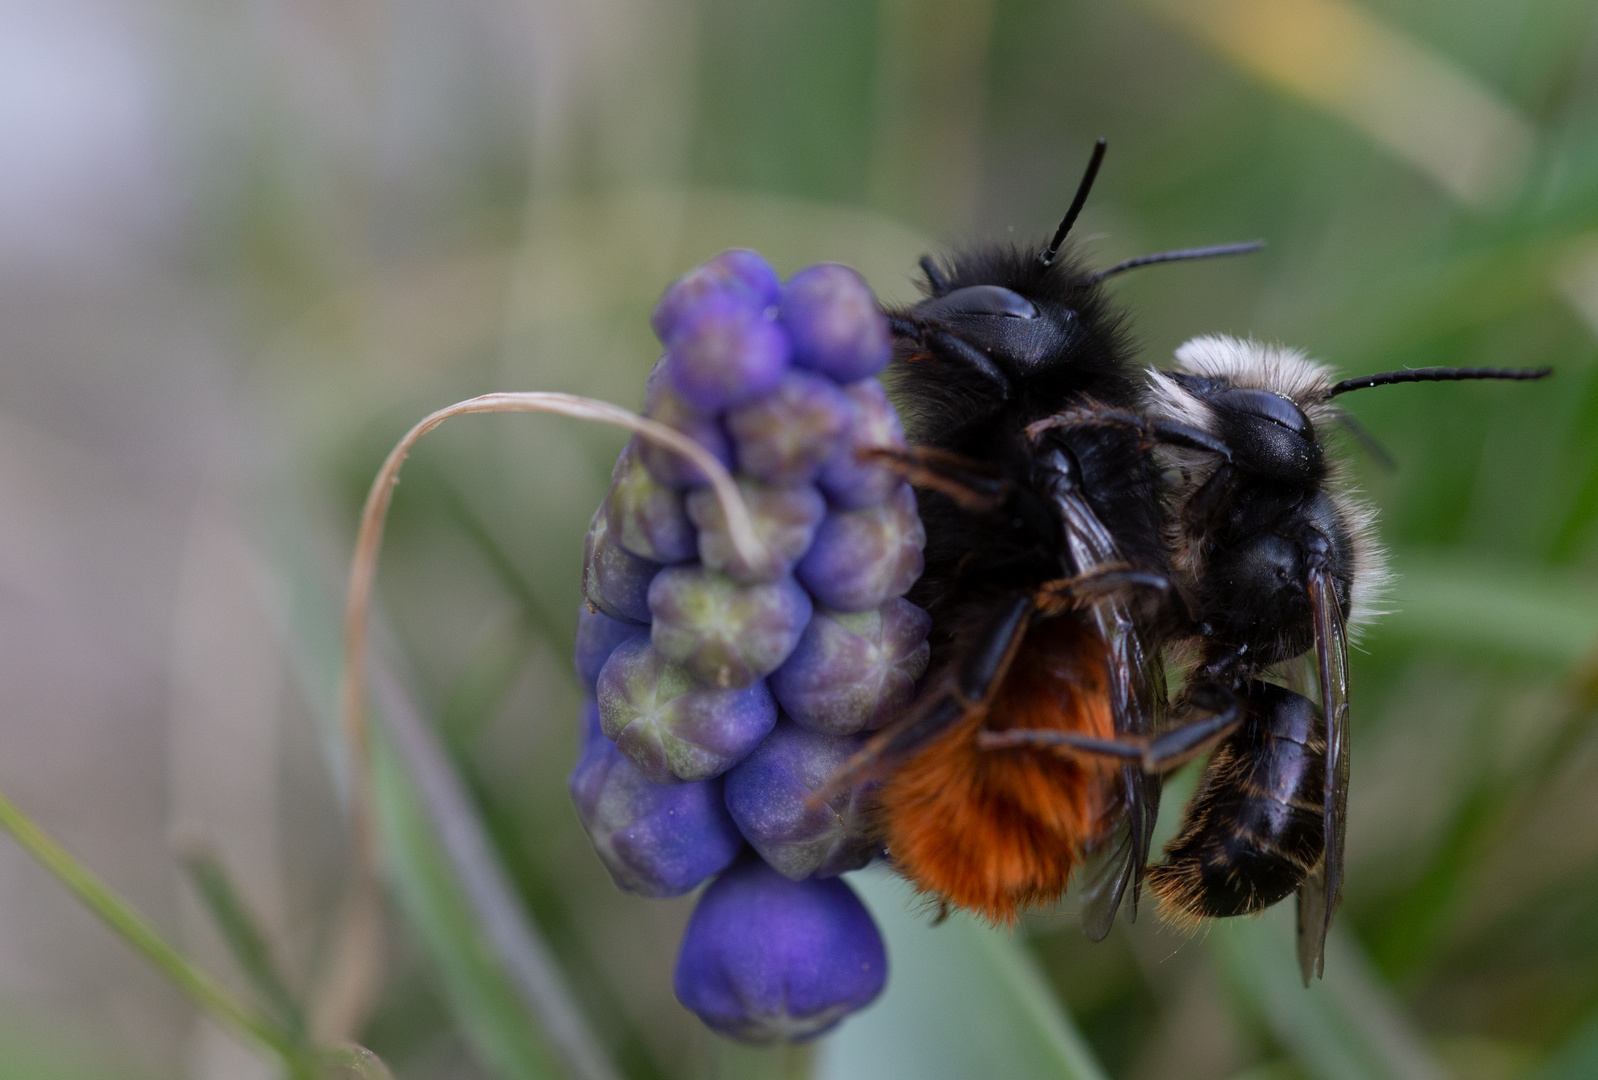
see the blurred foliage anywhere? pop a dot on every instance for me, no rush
(490, 197)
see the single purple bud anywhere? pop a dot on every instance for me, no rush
(855, 672)
(785, 518)
(767, 793)
(861, 558)
(852, 479)
(597, 637)
(726, 634)
(615, 581)
(655, 839)
(786, 436)
(738, 274)
(835, 324)
(670, 726)
(664, 404)
(726, 353)
(765, 958)
(646, 517)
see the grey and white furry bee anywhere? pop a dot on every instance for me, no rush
(1273, 557)
(1278, 558)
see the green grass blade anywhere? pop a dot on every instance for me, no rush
(355, 1063)
(1523, 612)
(1346, 1025)
(962, 1000)
(474, 980)
(202, 990)
(244, 937)
(1576, 1058)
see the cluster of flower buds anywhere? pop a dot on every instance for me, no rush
(726, 690)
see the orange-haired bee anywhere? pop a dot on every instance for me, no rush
(1046, 565)
(1060, 564)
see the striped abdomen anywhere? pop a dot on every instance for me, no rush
(1254, 827)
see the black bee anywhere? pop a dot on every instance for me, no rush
(1277, 558)
(1059, 567)
(1273, 558)
(1046, 559)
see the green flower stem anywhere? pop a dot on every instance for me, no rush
(206, 993)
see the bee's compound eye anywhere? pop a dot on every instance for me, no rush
(982, 300)
(1262, 403)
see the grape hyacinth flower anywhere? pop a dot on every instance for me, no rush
(785, 519)
(597, 637)
(726, 694)
(854, 672)
(768, 794)
(615, 581)
(672, 727)
(765, 958)
(655, 839)
(647, 518)
(861, 558)
(727, 634)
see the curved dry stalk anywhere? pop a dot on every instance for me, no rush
(353, 969)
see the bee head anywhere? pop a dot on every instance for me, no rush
(1255, 591)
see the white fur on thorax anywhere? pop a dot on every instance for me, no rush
(1289, 373)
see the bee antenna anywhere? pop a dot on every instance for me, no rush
(1436, 374)
(1082, 189)
(1180, 255)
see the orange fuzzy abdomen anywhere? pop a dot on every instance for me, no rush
(995, 831)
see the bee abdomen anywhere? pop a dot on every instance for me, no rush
(1254, 827)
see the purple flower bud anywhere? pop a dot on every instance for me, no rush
(597, 637)
(645, 516)
(785, 518)
(737, 274)
(672, 728)
(726, 353)
(765, 958)
(861, 558)
(850, 480)
(784, 437)
(664, 404)
(726, 634)
(856, 672)
(615, 581)
(767, 793)
(655, 839)
(834, 323)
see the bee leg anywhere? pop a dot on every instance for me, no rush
(1155, 754)
(1110, 579)
(935, 278)
(971, 484)
(967, 689)
(1201, 508)
(947, 345)
(1163, 432)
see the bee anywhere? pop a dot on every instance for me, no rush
(1062, 565)
(1278, 559)
(1273, 558)
(1045, 563)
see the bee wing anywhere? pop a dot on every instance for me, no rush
(1318, 896)
(1137, 701)
(1103, 879)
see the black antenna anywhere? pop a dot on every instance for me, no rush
(1437, 374)
(1082, 189)
(1181, 255)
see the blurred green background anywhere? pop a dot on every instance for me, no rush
(244, 246)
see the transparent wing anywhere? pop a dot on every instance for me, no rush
(1318, 896)
(1137, 701)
